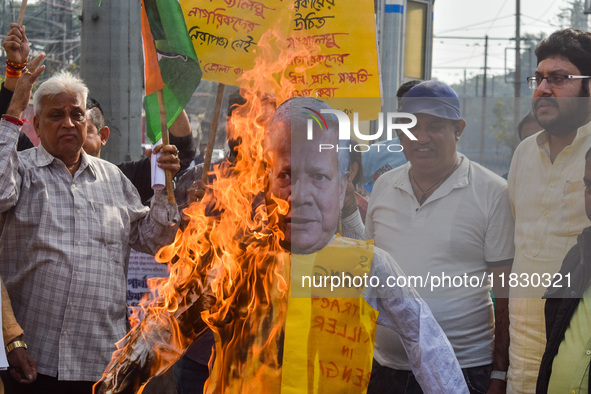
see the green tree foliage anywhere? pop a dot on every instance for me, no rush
(503, 128)
(573, 16)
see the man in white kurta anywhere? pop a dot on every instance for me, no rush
(546, 191)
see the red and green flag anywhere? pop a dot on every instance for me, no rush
(171, 64)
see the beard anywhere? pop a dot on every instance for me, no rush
(573, 112)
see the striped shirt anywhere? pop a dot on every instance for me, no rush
(64, 249)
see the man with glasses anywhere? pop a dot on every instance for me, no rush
(550, 167)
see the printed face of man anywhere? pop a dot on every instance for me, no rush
(435, 147)
(61, 127)
(309, 181)
(560, 110)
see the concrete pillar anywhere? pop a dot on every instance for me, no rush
(111, 64)
(391, 39)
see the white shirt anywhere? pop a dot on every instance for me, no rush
(461, 228)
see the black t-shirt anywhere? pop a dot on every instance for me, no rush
(5, 96)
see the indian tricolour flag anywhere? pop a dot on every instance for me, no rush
(171, 64)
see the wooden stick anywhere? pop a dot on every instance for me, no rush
(21, 14)
(213, 130)
(165, 141)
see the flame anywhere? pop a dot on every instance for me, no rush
(228, 270)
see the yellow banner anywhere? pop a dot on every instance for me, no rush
(329, 338)
(339, 35)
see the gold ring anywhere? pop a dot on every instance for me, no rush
(28, 72)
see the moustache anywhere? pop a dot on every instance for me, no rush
(545, 100)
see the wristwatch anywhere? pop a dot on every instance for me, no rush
(501, 375)
(15, 344)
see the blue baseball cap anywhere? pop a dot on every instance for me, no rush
(432, 98)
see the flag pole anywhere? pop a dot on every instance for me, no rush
(165, 141)
(21, 14)
(213, 130)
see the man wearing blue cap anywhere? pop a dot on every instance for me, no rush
(447, 221)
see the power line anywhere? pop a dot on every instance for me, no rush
(473, 38)
(475, 24)
(541, 21)
(546, 11)
(459, 59)
(467, 68)
(497, 15)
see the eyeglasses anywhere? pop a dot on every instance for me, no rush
(553, 80)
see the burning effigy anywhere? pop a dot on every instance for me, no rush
(230, 272)
(236, 270)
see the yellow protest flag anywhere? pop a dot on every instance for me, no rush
(340, 36)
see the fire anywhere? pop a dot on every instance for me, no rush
(228, 270)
